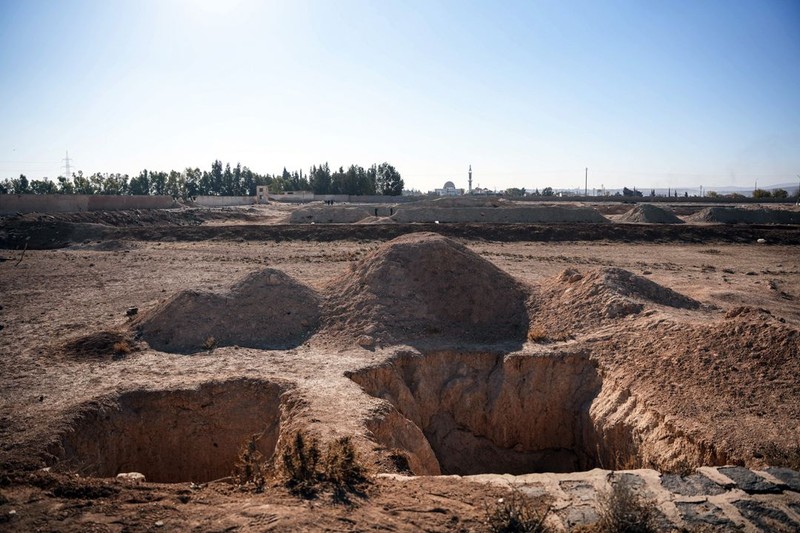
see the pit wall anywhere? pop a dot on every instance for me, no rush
(451, 412)
(173, 436)
(69, 203)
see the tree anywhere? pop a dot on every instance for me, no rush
(780, 193)
(215, 182)
(320, 179)
(515, 192)
(388, 180)
(65, 186)
(761, 193)
(192, 178)
(140, 184)
(20, 185)
(548, 191)
(44, 186)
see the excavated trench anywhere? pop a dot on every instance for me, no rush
(475, 413)
(173, 435)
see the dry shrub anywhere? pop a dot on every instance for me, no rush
(122, 347)
(209, 344)
(540, 334)
(516, 514)
(300, 465)
(99, 345)
(250, 468)
(306, 471)
(623, 510)
(537, 334)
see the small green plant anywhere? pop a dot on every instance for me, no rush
(250, 468)
(209, 344)
(623, 510)
(516, 514)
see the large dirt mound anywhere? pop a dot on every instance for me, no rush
(738, 215)
(330, 214)
(734, 376)
(650, 214)
(534, 214)
(466, 201)
(424, 285)
(266, 309)
(574, 300)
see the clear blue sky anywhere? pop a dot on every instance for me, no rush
(650, 93)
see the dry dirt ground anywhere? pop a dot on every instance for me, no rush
(461, 355)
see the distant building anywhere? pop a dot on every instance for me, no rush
(449, 189)
(262, 194)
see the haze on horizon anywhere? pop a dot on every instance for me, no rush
(646, 94)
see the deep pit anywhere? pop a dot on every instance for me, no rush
(474, 413)
(173, 435)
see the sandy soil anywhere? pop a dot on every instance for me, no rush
(722, 374)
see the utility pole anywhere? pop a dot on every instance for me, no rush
(66, 161)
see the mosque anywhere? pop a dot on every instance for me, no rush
(449, 188)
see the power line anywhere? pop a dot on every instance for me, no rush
(66, 161)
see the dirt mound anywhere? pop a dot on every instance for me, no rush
(575, 300)
(650, 214)
(536, 214)
(266, 309)
(330, 214)
(733, 377)
(467, 201)
(738, 215)
(424, 285)
(103, 345)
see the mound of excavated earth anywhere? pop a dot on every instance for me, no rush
(738, 215)
(536, 214)
(650, 214)
(576, 300)
(330, 214)
(266, 309)
(425, 285)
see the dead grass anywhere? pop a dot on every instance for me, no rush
(541, 335)
(251, 468)
(516, 514)
(110, 344)
(624, 510)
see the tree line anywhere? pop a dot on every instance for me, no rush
(381, 179)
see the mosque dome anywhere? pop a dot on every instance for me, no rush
(449, 185)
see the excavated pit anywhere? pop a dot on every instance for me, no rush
(173, 435)
(476, 413)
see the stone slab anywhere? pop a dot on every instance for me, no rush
(748, 481)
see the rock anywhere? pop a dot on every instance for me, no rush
(366, 341)
(761, 241)
(133, 477)
(691, 485)
(788, 476)
(748, 481)
(132, 311)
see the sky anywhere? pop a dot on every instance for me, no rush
(645, 93)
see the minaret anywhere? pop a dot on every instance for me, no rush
(470, 178)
